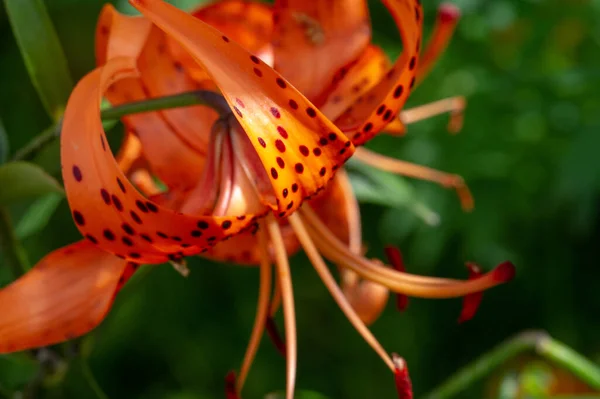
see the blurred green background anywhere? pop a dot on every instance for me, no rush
(530, 71)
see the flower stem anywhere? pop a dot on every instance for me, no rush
(91, 380)
(538, 342)
(14, 255)
(186, 99)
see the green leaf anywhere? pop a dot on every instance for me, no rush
(38, 215)
(42, 53)
(297, 395)
(17, 370)
(4, 148)
(378, 187)
(22, 180)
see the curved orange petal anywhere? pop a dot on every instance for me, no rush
(105, 205)
(67, 294)
(118, 35)
(372, 65)
(161, 76)
(175, 156)
(447, 18)
(380, 105)
(248, 23)
(316, 41)
(299, 148)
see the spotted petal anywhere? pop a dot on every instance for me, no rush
(299, 148)
(316, 41)
(371, 67)
(380, 105)
(174, 141)
(106, 207)
(65, 295)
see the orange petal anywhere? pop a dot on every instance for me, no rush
(67, 294)
(105, 205)
(299, 148)
(380, 105)
(447, 18)
(175, 156)
(118, 35)
(161, 76)
(316, 41)
(368, 71)
(249, 24)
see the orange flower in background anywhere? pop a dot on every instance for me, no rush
(241, 168)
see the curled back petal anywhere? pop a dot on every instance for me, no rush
(316, 41)
(447, 18)
(118, 35)
(299, 148)
(67, 294)
(372, 65)
(380, 105)
(174, 149)
(105, 205)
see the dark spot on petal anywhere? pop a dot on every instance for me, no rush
(105, 196)
(280, 162)
(77, 173)
(412, 63)
(255, 59)
(226, 224)
(135, 217)
(285, 193)
(311, 112)
(274, 173)
(152, 207)
(368, 127)
(322, 171)
(121, 186)
(161, 234)
(280, 145)
(127, 241)
(117, 203)
(128, 229)
(262, 142)
(202, 225)
(196, 233)
(91, 238)
(294, 187)
(258, 72)
(304, 150)
(109, 235)
(141, 206)
(78, 217)
(146, 237)
(299, 168)
(225, 39)
(282, 132)
(317, 151)
(293, 104)
(275, 112)
(281, 83)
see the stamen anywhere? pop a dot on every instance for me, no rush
(471, 302)
(419, 286)
(327, 278)
(403, 383)
(226, 179)
(230, 392)
(262, 309)
(276, 300)
(420, 172)
(453, 105)
(448, 15)
(273, 333)
(395, 258)
(287, 296)
(206, 191)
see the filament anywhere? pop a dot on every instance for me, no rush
(419, 286)
(287, 296)
(453, 105)
(262, 309)
(420, 172)
(334, 289)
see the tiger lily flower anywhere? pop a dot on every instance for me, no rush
(263, 167)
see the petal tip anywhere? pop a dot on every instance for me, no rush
(447, 12)
(504, 272)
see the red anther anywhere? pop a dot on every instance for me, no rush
(395, 259)
(448, 12)
(504, 272)
(274, 335)
(230, 390)
(471, 302)
(403, 383)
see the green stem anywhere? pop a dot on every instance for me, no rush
(14, 255)
(198, 97)
(538, 342)
(89, 376)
